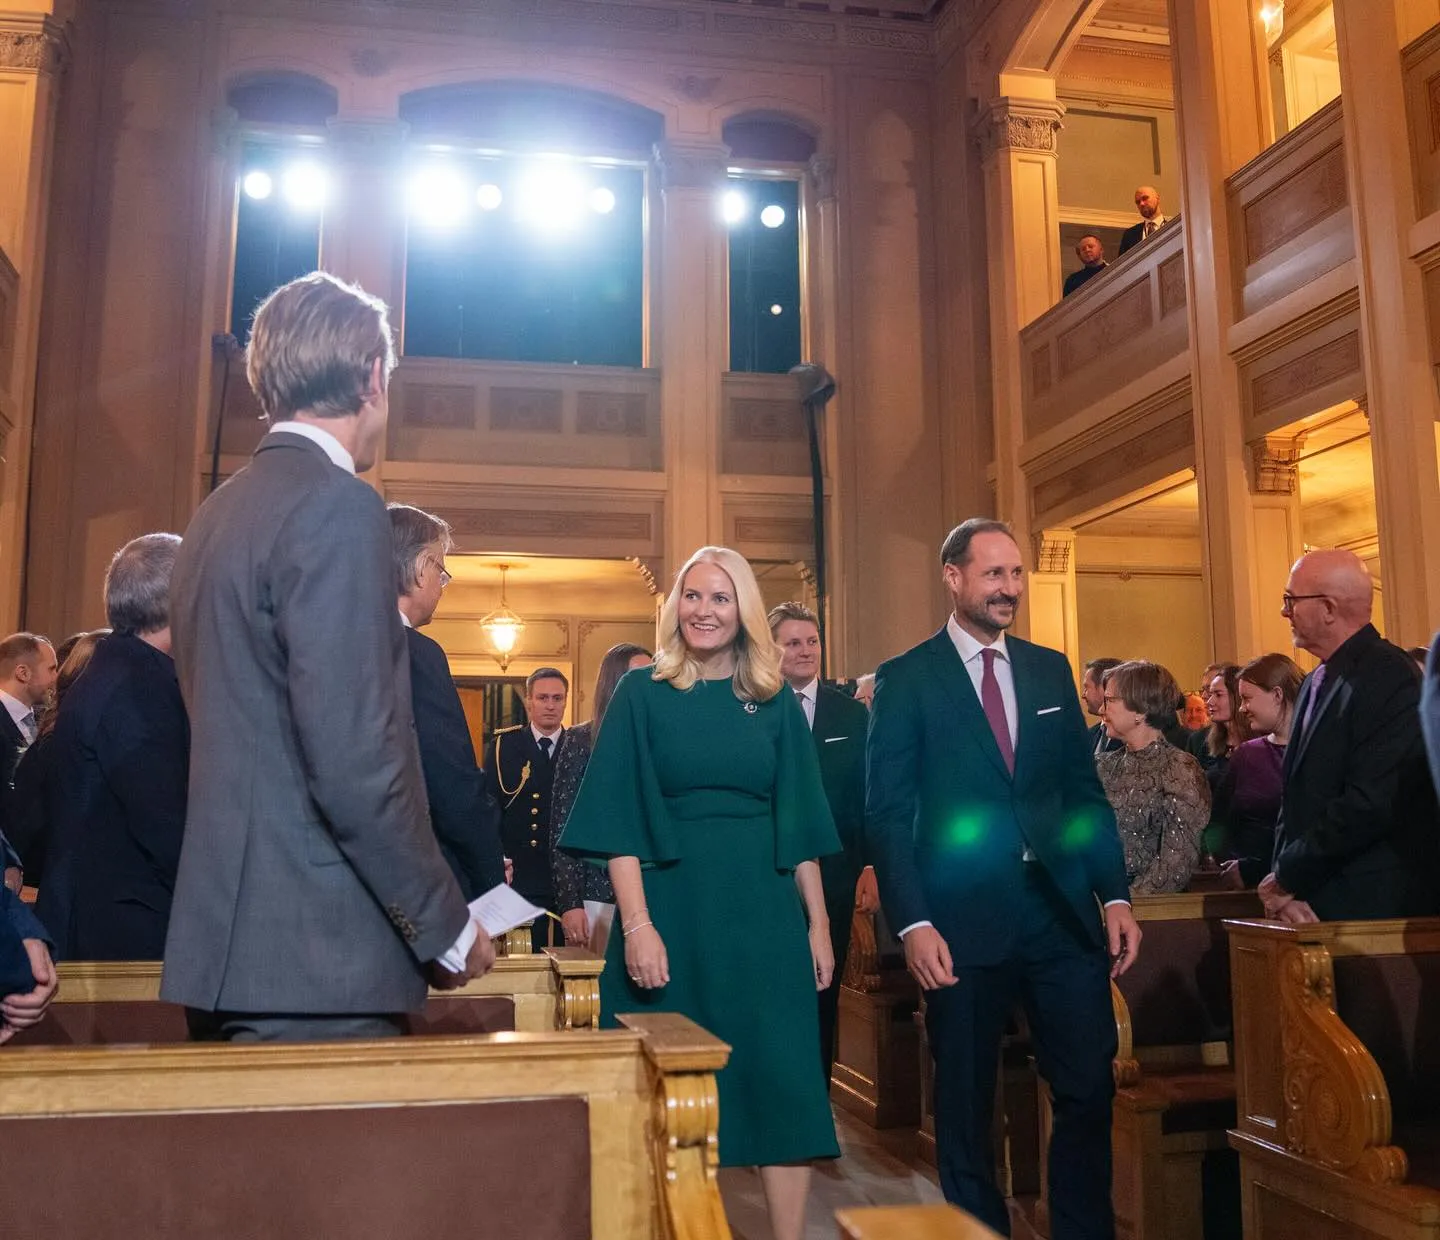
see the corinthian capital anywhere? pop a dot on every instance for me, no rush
(31, 43)
(691, 165)
(1018, 125)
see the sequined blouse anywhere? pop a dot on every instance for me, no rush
(1162, 805)
(575, 880)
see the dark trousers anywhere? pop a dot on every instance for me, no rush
(285, 1027)
(1062, 981)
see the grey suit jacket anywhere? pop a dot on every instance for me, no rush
(310, 880)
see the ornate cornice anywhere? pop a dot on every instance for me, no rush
(40, 45)
(1276, 461)
(686, 165)
(1018, 125)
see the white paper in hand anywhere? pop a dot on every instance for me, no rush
(601, 917)
(502, 908)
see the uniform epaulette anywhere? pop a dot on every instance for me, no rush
(514, 727)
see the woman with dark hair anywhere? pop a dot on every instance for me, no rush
(1158, 792)
(30, 798)
(575, 881)
(1247, 797)
(1213, 746)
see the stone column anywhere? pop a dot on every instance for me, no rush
(689, 310)
(1275, 504)
(1220, 93)
(1017, 137)
(33, 56)
(362, 234)
(1399, 383)
(1054, 617)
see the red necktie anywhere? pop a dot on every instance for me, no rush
(994, 706)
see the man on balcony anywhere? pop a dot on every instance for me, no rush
(1147, 202)
(1090, 250)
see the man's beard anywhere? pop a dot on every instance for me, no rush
(980, 615)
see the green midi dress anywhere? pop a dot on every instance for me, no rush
(720, 800)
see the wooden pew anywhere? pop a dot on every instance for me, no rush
(935, 1222)
(406, 1139)
(1338, 1073)
(102, 1003)
(1175, 1084)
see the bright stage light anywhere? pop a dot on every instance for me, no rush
(305, 186)
(734, 206)
(438, 196)
(551, 198)
(773, 216)
(257, 184)
(489, 197)
(777, 309)
(602, 200)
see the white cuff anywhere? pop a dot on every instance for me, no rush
(915, 925)
(1126, 903)
(455, 958)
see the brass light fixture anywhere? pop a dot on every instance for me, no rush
(503, 627)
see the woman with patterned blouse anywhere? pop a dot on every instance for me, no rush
(575, 881)
(1159, 793)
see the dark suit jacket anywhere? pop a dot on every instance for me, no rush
(1078, 279)
(17, 923)
(465, 817)
(520, 778)
(121, 749)
(839, 732)
(310, 881)
(1358, 835)
(1430, 710)
(11, 743)
(1132, 236)
(32, 811)
(1099, 742)
(946, 823)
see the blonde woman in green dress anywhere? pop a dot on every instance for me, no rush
(703, 796)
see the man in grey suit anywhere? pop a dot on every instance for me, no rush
(312, 900)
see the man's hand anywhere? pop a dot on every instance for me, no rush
(1122, 933)
(479, 962)
(1297, 913)
(21, 1011)
(1273, 896)
(927, 956)
(576, 926)
(14, 879)
(509, 872)
(867, 892)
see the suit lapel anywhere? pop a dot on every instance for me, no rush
(951, 674)
(1334, 682)
(1027, 699)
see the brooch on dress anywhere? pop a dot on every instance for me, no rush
(750, 708)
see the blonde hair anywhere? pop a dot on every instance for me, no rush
(757, 657)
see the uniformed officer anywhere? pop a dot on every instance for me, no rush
(520, 774)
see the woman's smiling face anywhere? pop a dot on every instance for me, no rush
(709, 613)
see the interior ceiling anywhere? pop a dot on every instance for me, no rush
(1145, 21)
(542, 570)
(1335, 468)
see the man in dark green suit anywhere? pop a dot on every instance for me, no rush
(838, 724)
(995, 849)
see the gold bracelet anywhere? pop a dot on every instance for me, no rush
(628, 932)
(635, 916)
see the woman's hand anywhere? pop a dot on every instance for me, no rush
(577, 927)
(645, 958)
(823, 954)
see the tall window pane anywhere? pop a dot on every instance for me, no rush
(764, 222)
(526, 261)
(277, 227)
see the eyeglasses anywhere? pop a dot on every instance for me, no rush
(1108, 698)
(445, 577)
(1288, 601)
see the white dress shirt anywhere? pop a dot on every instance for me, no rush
(554, 738)
(23, 716)
(807, 696)
(334, 449)
(1155, 222)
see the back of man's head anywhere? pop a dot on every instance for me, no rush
(411, 531)
(137, 584)
(313, 346)
(19, 648)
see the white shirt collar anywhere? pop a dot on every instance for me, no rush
(968, 648)
(16, 708)
(333, 448)
(811, 691)
(537, 734)
(405, 620)
(1158, 220)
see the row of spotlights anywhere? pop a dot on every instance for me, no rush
(734, 207)
(304, 186)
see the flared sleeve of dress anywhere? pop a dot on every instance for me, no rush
(804, 828)
(619, 810)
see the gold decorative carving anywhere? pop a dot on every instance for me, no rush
(445, 406)
(1125, 1067)
(1317, 368)
(1011, 132)
(1171, 277)
(687, 1136)
(756, 420)
(862, 965)
(515, 942)
(507, 523)
(1276, 464)
(1053, 551)
(647, 573)
(691, 165)
(1337, 1106)
(537, 411)
(822, 176)
(577, 1003)
(696, 87)
(1113, 325)
(1041, 379)
(610, 413)
(796, 531)
(1299, 202)
(43, 49)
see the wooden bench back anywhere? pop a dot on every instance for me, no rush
(108, 1003)
(434, 1138)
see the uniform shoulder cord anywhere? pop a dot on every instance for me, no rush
(514, 792)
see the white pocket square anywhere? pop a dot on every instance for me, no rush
(830, 740)
(1049, 710)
